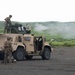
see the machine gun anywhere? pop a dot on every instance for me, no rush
(18, 29)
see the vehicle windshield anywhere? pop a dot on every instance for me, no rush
(21, 28)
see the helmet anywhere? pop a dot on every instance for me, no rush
(10, 15)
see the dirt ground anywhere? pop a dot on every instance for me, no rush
(62, 62)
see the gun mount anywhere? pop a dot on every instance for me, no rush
(18, 29)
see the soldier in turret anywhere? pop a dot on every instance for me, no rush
(7, 23)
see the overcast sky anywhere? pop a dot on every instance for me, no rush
(38, 10)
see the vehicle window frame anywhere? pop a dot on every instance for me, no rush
(27, 38)
(19, 39)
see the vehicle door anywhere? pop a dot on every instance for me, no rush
(28, 42)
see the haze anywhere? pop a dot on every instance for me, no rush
(38, 10)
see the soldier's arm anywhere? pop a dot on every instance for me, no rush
(4, 46)
(5, 19)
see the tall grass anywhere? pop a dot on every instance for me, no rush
(1, 30)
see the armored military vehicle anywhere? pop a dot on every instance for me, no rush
(26, 45)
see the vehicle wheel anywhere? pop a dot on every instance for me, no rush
(1, 56)
(28, 57)
(46, 54)
(19, 54)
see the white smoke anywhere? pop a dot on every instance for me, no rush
(40, 27)
(64, 30)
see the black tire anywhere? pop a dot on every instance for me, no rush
(46, 54)
(19, 54)
(28, 57)
(2, 56)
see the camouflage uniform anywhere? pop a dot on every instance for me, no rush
(7, 51)
(7, 23)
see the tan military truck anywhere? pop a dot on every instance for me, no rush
(27, 46)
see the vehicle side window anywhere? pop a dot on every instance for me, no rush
(19, 28)
(19, 39)
(27, 38)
